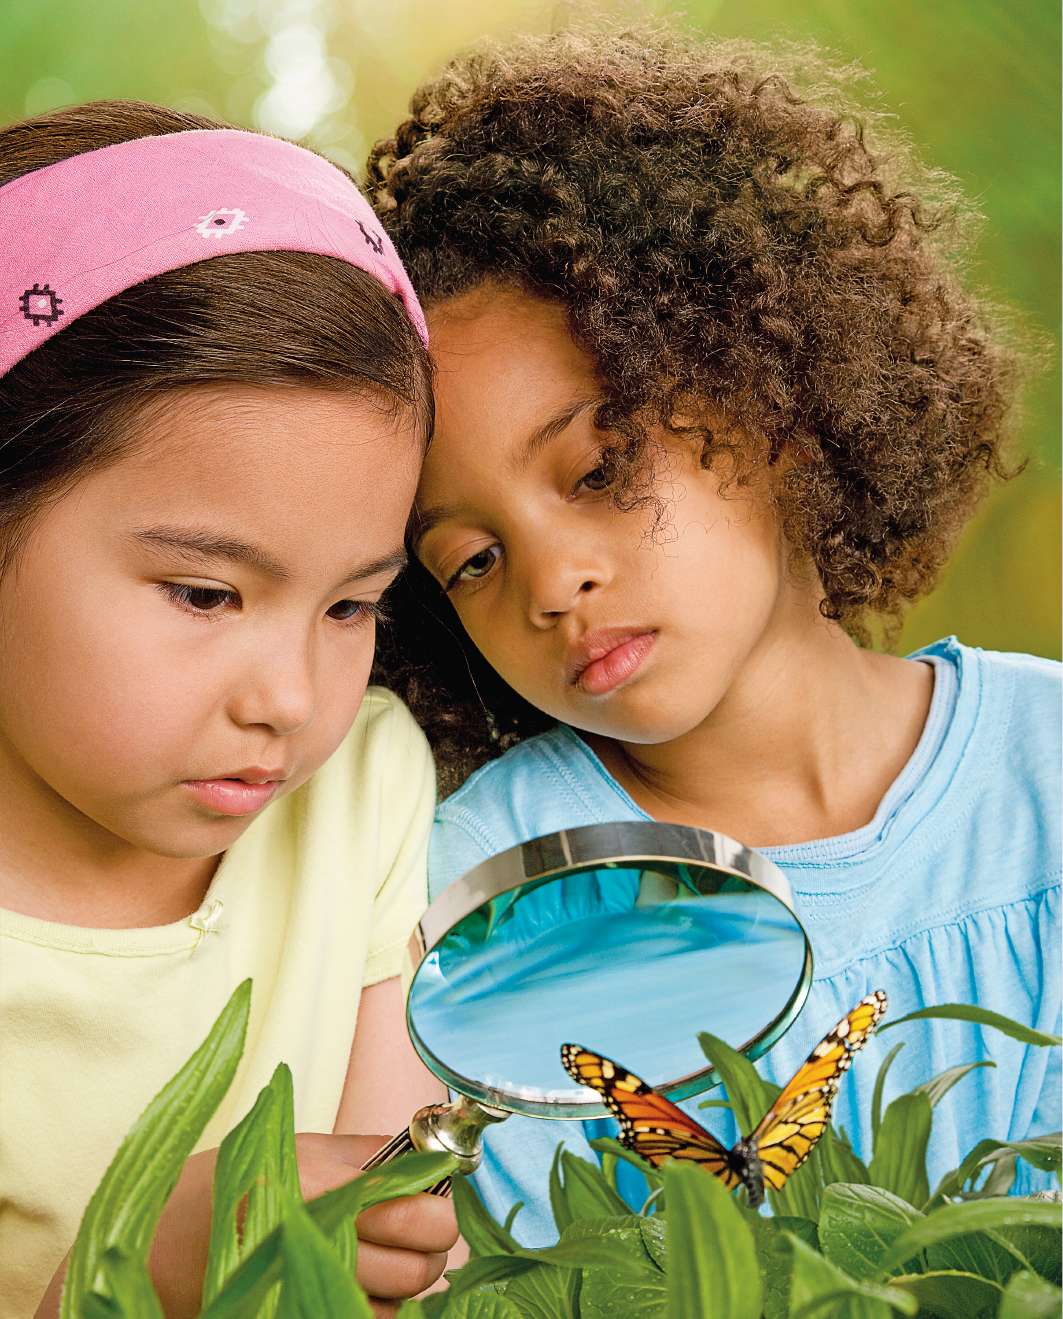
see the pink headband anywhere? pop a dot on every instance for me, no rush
(76, 233)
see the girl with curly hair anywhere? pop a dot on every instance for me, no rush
(711, 400)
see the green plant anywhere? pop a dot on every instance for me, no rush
(289, 1259)
(838, 1245)
(847, 1240)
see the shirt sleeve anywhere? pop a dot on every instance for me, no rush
(453, 851)
(407, 786)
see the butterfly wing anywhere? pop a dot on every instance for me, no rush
(787, 1133)
(649, 1124)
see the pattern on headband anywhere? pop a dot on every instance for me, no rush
(41, 306)
(218, 223)
(374, 240)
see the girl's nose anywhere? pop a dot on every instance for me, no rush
(276, 691)
(560, 581)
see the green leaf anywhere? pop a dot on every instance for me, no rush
(858, 1226)
(267, 1158)
(481, 1305)
(239, 1158)
(775, 1264)
(609, 1161)
(287, 1154)
(804, 1228)
(405, 1175)
(655, 1238)
(123, 1287)
(606, 1145)
(1001, 1176)
(899, 1162)
(507, 1226)
(950, 1294)
(483, 1235)
(975, 1252)
(854, 1306)
(605, 1296)
(1029, 1297)
(491, 1268)
(936, 1089)
(563, 1215)
(344, 1241)
(951, 1184)
(1042, 1151)
(411, 1309)
(750, 1095)
(126, 1205)
(775, 1258)
(837, 1161)
(609, 1243)
(546, 1293)
(1039, 1247)
(583, 1192)
(247, 1288)
(95, 1306)
(818, 1283)
(712, 1264)
(876, 1094)
(315, 1283)
(981, 1017)
(973, 1217)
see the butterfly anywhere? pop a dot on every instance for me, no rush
(654, 1128)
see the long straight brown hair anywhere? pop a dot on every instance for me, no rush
(276, 318)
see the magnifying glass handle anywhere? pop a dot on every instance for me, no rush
(443, 1129)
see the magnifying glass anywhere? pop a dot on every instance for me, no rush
(629, 938)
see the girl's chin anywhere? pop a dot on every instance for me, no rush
(634, 732)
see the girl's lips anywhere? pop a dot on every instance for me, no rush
(231, 796)
(608, 668)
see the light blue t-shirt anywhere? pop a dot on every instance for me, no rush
(950, 895)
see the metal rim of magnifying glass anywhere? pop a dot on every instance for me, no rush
(600, 846)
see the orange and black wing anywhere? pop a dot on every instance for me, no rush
(785, 1136)
(649, 1124)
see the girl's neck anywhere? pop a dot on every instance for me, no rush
(804, 745)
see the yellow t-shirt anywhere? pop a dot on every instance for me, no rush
(315, 900)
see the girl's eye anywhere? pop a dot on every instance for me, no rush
(202, 599)
(599, 478)
(345, 610)
(478, 566)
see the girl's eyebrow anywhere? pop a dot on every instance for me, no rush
(204, 544)
(422, 523)
(392, 562)
(534, 444)
(541, 437)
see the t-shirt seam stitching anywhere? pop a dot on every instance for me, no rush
(955, 919)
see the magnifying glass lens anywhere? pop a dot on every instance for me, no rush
(631, 958)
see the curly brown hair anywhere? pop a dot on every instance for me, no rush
(723, 227)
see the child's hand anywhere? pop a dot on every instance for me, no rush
(402, 1243)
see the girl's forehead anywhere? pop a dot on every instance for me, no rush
(289, 466)
(265, 427)
(506, 368)
(495, 323)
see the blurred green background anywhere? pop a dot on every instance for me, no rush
(975, 83)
